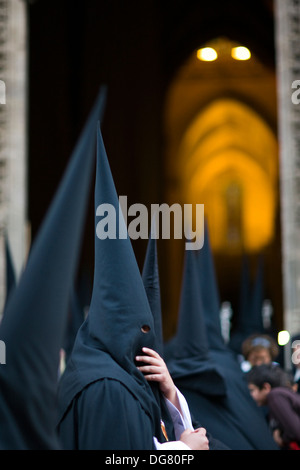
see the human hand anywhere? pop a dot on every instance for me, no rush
(157, 371)
(195, 440)
(277, 437)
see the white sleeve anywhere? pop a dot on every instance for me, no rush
(170, 445)
(180, 421)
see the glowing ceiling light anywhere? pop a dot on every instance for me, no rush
(283, 337)
(240, 53)
(207, 54)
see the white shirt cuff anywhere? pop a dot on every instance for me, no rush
(181, 421)
(170, 445)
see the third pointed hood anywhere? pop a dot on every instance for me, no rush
(189, 362)
(210, 294)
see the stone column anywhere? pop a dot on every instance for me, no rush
(287, 30)
(13, 131)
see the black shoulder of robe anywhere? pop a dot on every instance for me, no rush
(97, 419)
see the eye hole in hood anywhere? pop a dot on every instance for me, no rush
(145, 329)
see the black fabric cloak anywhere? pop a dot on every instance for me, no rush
(218, 397)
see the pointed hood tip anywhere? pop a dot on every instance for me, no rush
(119, 306)
(188, 356)
(191, 327)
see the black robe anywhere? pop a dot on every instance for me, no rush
(210, 378)
(234, 418)
(103, 407)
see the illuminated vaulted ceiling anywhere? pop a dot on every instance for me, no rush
(223, 151)
(226, 161)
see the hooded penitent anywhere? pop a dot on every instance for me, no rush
(234, 418)
(34, 321)
(206, 390)
(105, 401)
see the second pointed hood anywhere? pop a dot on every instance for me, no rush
(210, 294)
(189, 360)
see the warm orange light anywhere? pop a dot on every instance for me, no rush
(208, 186)
(240, 53)
(207, 54)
